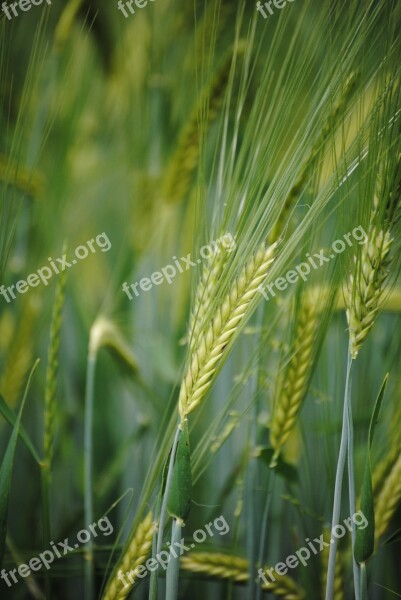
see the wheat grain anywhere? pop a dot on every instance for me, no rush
(209, 351)
(135, 555)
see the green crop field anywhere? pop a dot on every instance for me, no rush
(200, 299)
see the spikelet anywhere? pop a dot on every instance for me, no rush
(338, 593)
(234, 568)
(310, 161)
(52, 370)
(210, 349)
(388, 499)
(185, 158)
(297, 374)
(135, 555)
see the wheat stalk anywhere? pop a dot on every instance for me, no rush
(296, 378)
(338, 593)
(234, 568)
(135, 555)
(387, 499)
(209, 351)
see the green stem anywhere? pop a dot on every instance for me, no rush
(342, 456)
(173, 569)
(351, 479)
(163, 514)
(45, 483)
(265, 518)
(88, 479)
(364, 582)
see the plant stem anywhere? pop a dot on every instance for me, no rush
(173, 569)
(163, 513)
(45, 481)
(351, 479)
(265, 517)
(364, 582)
(88, 463)
(342, 456)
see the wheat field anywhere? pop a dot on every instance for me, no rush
(200, 300)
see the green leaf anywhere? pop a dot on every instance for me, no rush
(284, 469)
(179, 501)
(6, 471)
(365, 538)
(11, 418)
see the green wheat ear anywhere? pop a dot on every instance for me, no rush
(296, 378)
(235, 568)
(135, 554)
(216, 337)
(185, 159)
(371, 267)
(26, 180)
(52, 369)
(105, 334)
(311, 161)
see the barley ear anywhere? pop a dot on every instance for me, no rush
(291, 395)
(208, 353)
(186, 156)
(387, 500)
(135, 555)
(52, 370)
(234, 568)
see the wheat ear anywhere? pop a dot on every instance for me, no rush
(20, 353)
(310, 161)
(209, 351)
(186, 156)
(296, 378)
(135, 555)
(365, 287)
(388, 499)
(52, 370)
(26, 180)
(234, 568)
